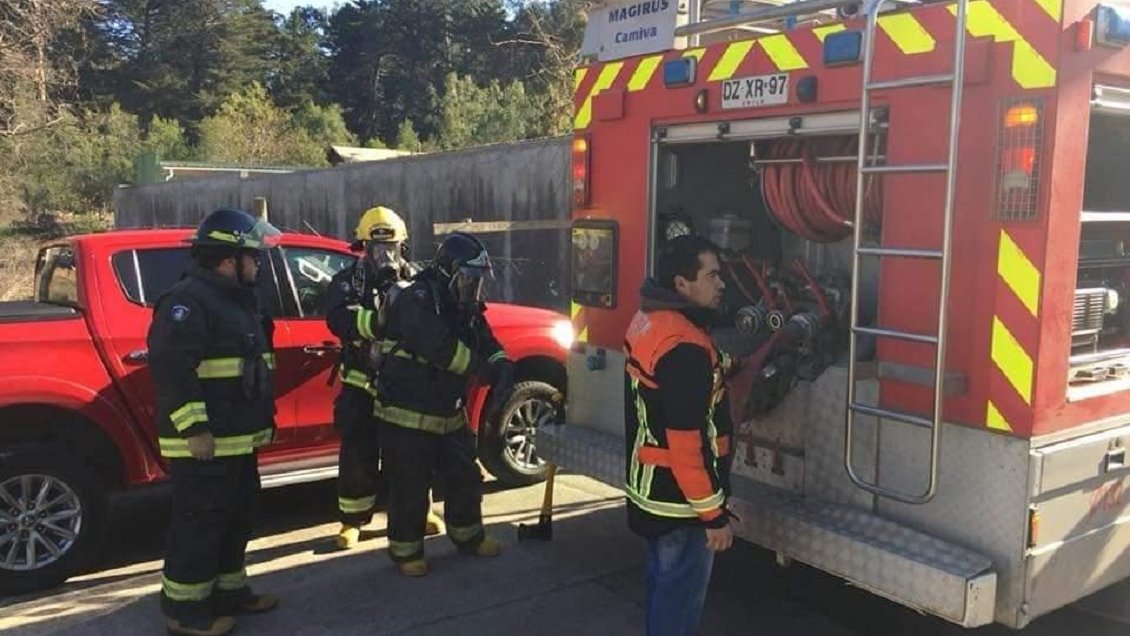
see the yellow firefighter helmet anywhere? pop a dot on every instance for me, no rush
(383, 225)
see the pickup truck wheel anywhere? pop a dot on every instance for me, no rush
(52, 514)
(508, 449)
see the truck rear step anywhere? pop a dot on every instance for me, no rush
(881, 556)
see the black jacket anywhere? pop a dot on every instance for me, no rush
(430, 350)
(685, 413)
(353, 305)
(211, 358)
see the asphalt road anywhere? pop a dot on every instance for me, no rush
(588, 580)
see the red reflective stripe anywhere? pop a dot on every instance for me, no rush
(710, 515)
(654, 456)
(685, 452)
(723, 442)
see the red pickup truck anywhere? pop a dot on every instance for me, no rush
(76, 403)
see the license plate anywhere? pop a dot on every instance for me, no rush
(758, 90)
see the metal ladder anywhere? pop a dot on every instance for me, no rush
(864, 168)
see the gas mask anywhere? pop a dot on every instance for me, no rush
(381, 254)
(384, 258)
(468, 285)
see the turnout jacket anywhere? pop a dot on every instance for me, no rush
(677, 419)
(430, 348)
(211, 358)
(355, 304)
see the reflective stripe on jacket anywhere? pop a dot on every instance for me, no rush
(211, 358)
(676, 469)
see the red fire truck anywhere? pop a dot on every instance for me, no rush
(927, 254)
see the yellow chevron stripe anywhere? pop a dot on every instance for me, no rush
(607, 76)
(782, 52)
(578, 77)
(644, 72)
(695, 53)
(1019, 273)
(907, 33)
(1012, 360)
(574, 309)
(1054, 8)
(825, 31)
(584, 335)
(735, 54)
(995, 420)
(1029, 68)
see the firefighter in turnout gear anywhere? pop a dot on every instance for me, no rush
(211, 358)
(356, 307)
(678, 433)
(435, 341)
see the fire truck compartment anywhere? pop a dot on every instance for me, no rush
(1100, 330)
(776, 195)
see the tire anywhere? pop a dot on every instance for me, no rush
(76, 504)
(532, 404)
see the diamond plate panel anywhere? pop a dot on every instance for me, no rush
(826, 478)
(981, 501)
(891, 560)
(585, 451)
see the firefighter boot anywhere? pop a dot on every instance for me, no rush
(415, 567)
(347, 537)
(434, 524)
(488, 547)
(216, 626)
(243, 602)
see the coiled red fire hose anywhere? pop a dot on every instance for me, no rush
(816, 200)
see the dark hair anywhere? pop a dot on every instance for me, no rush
(680, 257)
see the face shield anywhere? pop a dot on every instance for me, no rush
(261, 236)
(468, 285)
(381, 254)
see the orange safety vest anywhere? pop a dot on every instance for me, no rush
(672, 473)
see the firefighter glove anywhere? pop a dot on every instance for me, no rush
(202, 446)
(502, 388)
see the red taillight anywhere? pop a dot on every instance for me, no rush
(581, 195)
(1018, 159)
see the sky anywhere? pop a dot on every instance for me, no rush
(284, 6)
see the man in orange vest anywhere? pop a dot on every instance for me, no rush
(678, 433)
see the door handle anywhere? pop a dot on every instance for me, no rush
(138, 356)
(1115, 459)
(320, 351)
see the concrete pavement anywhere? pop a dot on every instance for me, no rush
(588, 580)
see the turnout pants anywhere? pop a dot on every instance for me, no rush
(412, 459)
(360, 485)
(213, 511)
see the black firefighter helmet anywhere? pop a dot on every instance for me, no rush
(236, 229)
(463, 262)
(228, 233)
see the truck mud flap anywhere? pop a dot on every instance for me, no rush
(879, 555)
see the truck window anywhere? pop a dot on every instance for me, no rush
(309, 272)
(146, 274)
(57, 276)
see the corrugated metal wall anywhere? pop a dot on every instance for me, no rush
(527, 181)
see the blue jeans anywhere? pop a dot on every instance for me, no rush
(678, 572)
